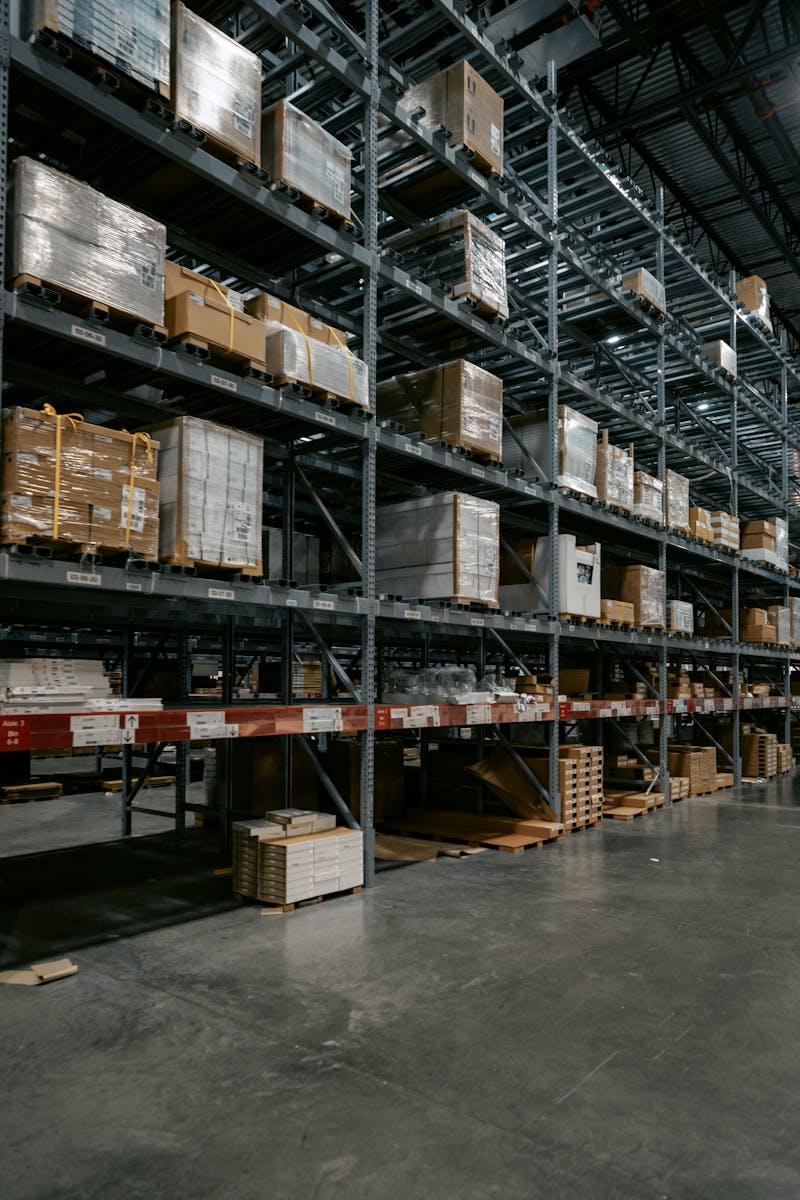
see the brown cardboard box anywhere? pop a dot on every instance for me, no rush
(461, 101)
(301, 154)
(754, 297)
(620, 611)
(573, 681)
(614, 474)
(647, 287)
(641, 586)
(503, 776)
(279, 312)
(700, 522)
(758, 541)
(457, 403)
(64, 479)
(204, 312)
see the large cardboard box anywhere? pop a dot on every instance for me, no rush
(276, 312)
(725, 528)
(648, 497)
(766, 541)
(753, 296)
(641, 586)
(461, 254)
(698, 764)
(208, 314)
(614, 475)
(505, 778)
(132, 36)
(577, 441)
(620, 612)
(461, 101)
(700, 522)
(578, 577)
(439, 547)
(676, 502)
(64, 479)
(721, 355)
(292, 356)
(646, 287)
(211, 495)
(301, 154)
(216, 85)
(79, 241)
(457, 403)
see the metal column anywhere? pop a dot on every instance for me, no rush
(736, 721)
(661, 393)
(553, 457)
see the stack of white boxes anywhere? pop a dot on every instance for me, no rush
(726, 530)
(295, 854)
(681, 617)
(61, 685)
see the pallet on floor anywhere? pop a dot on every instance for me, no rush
(152, 781)
(511, 835)
(21, 793)
(272, 908)
(624, 806)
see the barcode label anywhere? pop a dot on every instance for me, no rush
(325, 418)
(328, 605)
(217, 593)
(135, 507)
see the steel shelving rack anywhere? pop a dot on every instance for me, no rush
(573, 226)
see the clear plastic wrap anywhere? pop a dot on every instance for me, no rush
(436, 685)
(780, 619)
(131, 35)
(70, 236)
(721, 355)
(641, 586)
(781, 544)
(216, 84)
(577, 439)
(458, 403)
(676, 502)
(464, 255)
(279, 312)
(461, 101)
(211, 495)
(794, 620)
(300, 153)
(66, 480)
(753, 296)
(201, 310)
(725, 528)
(439, 547)
(681, 617)
(648, 497)
(614, 475)
(647, 287)
(293, 356)
(700, 523)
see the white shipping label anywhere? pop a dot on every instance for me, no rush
(87, 578)
(137, 508)
(334, 177)
(322, 720)
(107, 735)
(32, 459)
(242, 521)
(93, 723)
(494, 139)
(479, 714)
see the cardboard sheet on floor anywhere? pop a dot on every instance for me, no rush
(60, 968)
(404, 849)
(503, 775)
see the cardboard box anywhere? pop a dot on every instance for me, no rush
(676, 502)
(619, 612)
(681, 617)
(286, 870)
(780, 619)
(211, 495)
(300, 153)
(80, 242)
(753, 296)
(578, 575)
(648, 497)
(461, 101)
(641, 586)
(207, 313)
(462, 255)
(721, 355)
(133, 38)
(647, 287)
(725, 528)
(457, 403)
(577, 439)
(216, 85)
(614, 475)
(279, 312)
(294, 357)
(439, 547)
(573, 681)
(255, 767)
(700, 523)
(506, 780)
(64, 479)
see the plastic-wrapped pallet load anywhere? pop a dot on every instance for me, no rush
(462, 102)
(132, 36)
(648, 497)
(301, 154)
(721, 355)
(65, 480)
(781, 544)
(766, 541)
(614, 475)
(208, 314)
(211, 495)
(463, 254)
(276, 313)
(78, 240)
(725, 528)
(439, 547)
(780, 619)
(216, 85)
(457, 403)
(577, 440)
(641, 586)
(681, 617)
(294, 357)
(676, 502)
(794, 620)
(578, 577)
(646, 287)
(752, 294)
(700, 523)
(755, 626)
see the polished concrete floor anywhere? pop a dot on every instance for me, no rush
(611, 1016)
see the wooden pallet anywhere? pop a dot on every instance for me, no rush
(56, 296)
(152, 781)
(511, 835)
(211, 570)
(312, 392)
(624, 806)
(315, 208)
(21, 793)
(213, 145)
(221, 356)
(274, 909)
(107, 77)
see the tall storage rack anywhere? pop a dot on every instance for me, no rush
(572, 227)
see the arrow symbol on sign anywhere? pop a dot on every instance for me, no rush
(131, 722)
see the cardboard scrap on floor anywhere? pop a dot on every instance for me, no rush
(404, 849)
(38, 973)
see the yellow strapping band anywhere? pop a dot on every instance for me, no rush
(74, 419)
(343, 346)
(231, 310)
(308, 349)
(147, 442)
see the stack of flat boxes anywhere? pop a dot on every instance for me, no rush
(785, 762)
(297, 857)
(698, 764)
(589, 776)
(725, 529)
(760, 755)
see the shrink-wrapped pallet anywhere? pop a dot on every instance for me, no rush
(216, 85)
(301, 154)
(752, 294)
(676, 502)
(577, 447)
(614, 475)
(457, 403)
(648, 497)
(74, 238)
(461, 254)
(681, 617)
(132, 36)
(461, 101)
(721, 355)
(641, 586)
(65, 480)
(294, 357)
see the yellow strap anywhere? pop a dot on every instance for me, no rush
(147, 442)
(343, 346)
(303, 334)
(74, 419)
(231, 311)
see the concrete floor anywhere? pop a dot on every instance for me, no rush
(611, 1016)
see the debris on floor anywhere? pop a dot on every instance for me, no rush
(47, 972)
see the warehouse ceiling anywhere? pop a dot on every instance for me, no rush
(704, 96)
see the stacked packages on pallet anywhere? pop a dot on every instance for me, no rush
(211, 495)
(525, 448)
(439, 547)
(700, 524)
(457, 403)
(216, 85)
(676, 502)
(681, 617)
(759, 754)
(725, 529)
(614, 475)
(291, 856)
(641, 586)
(65, 480)
(459, 100)
(133, 37)
(210, 315)
(303, 156)
(74, 238)
(721, 355)
(463, 255)
(647, 288)
(766, 541)
(753, 296)
(648, 497)
(74, 685)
